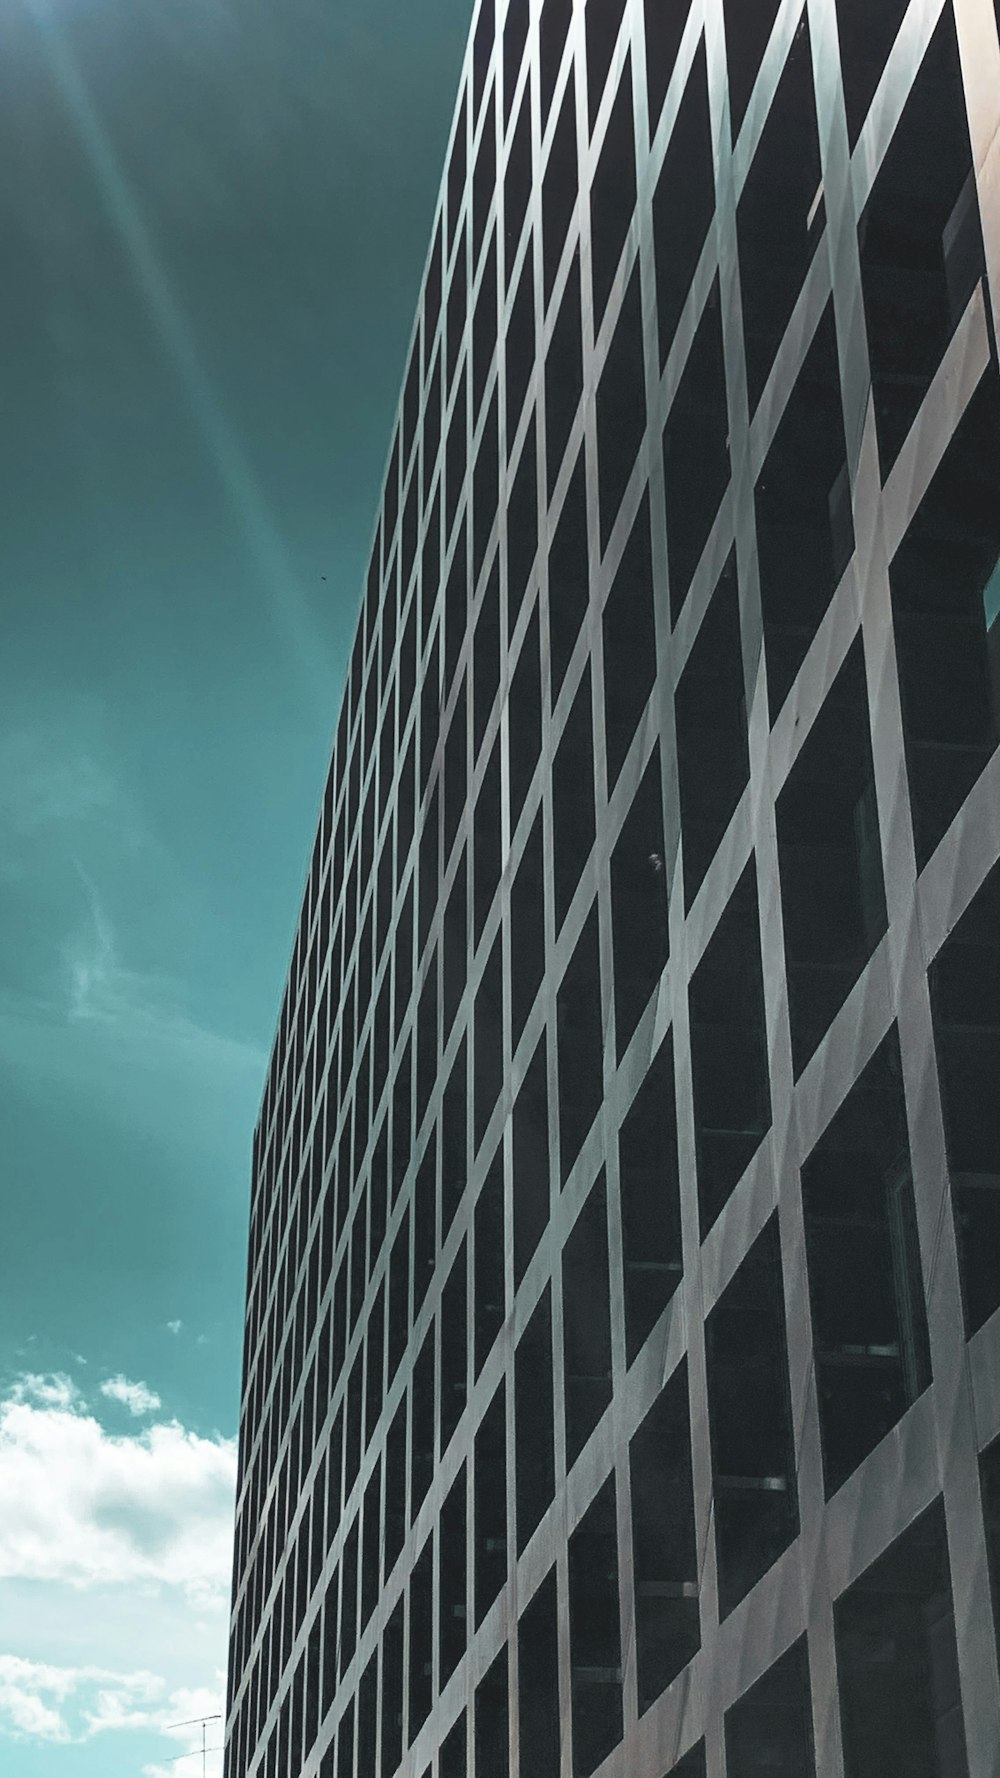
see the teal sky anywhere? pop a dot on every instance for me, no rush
(214, 217)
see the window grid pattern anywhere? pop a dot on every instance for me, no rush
(446, 1157)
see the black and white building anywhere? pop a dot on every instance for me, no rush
(622, 1367)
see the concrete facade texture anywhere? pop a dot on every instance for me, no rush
(622, 1368)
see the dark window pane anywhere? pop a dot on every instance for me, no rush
(603, 21)
(696, 452)
(534, 1460)
(621, 408)
(539, 1735)
(452, 1579)
(581, 1045)
(612, 195)
(685, 191)
(667, 1622)
(525, 719)
(650, 1201)
(921, 241)
(747, 31)
(665, 21)
(869, 1325)
(573, 800)
(569, 576)
(564, 374)
(490, 1506)
(781, 213)
(769, 1731)
(595, 1635)
(640, 937)
(586, 1321)
(732, 1093)
(559, 188)
(945, 581)
(830, 860)
(897, 1662)
(531, 1162)
(802, 501)
(713, 762)
(965, 1006)
(753, 1459)
(527, 928)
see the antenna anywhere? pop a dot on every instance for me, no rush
(191, 1723)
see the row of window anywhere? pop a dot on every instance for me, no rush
(830, 857)
(866, 1293)
(895, 1648)
(920, 258)
(805, 533)
(869, 1321)
(933, 219)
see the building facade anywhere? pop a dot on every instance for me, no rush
(622, 1365)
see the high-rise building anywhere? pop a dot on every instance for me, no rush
(622, 1369)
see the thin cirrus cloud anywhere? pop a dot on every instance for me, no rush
(62, 791)
(76, 1012)
(44, 785)
(142, 1010)
(120, 1026)
(94, 1525)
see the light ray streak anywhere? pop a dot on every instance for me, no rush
(290, 610)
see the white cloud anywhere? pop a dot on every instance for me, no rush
(152, 1510)
(42, 1701)
(56, 1391)
(26, 1688)
(108, 1545)
(37, 1699)
(174, 1327)
(135, 1396)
